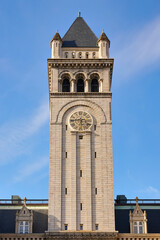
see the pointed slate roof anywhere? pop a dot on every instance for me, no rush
(79, 35)
(103, 37)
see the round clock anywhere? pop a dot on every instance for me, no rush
(80, 121)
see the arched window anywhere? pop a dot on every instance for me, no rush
(66, 85)
(80, 85)
(94, 85)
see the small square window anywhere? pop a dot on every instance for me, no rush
(65, 226)
(80, 137)
(96, 226)
(73, 54)
(81, 226)
(66, 54)
(81, 206)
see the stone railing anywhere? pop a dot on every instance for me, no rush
(14, 236)
(129, 236)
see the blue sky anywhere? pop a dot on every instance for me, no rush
(26, 28)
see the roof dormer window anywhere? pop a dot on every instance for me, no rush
(80, 55)
(94, 54)
(87, 55)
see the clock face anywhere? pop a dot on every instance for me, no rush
(80, 121)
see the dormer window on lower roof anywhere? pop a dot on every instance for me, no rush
(138, 220)
(24, 220)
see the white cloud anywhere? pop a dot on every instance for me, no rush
(30, 169)
(150, 192)
(13, 135)
(141, 50)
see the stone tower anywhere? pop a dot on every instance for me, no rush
(81, 196)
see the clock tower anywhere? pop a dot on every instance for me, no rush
(81, 194)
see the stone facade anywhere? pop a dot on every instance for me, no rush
(80, 202)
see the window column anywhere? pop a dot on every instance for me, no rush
(100, 85)
(86, 85)
(73, 84)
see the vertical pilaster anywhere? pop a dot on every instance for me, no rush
(88, 190)
(54, 213)
(73, 182)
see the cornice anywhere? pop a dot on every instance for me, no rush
(80, 63)
(80, 94)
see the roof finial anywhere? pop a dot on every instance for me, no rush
(79, 14)
(137, 200)
(57, 30)
(102, 30)
(25, 199)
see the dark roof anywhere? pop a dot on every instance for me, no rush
(122, 220)
(56, 37)
(8, 217)
(79, 35)
(103, 37)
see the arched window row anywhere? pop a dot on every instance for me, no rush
(80, 55)
(80, 85)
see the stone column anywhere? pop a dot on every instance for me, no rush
(73, 83)
(60, 85)
(86, 85)
(100, 85)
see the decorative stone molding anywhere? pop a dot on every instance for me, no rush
(80, 235)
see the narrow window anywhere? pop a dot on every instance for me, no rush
(96, 191)
(104, 44)
(66, 154)
(73, 54)
(80, 137)
(80, 173)
(66, 191)
(95, 154)
(87, 54)
(81, 206)
(94, 127)
(66, 127)
(94, 54)
(56, 44)
(66, 54)
(81, 226)
(94, 85)
(96, 226)
(110, 111)
(24, 227)
(65, 226)
(80, 55)
(80, 85)
(66, 85)
(135, 227)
